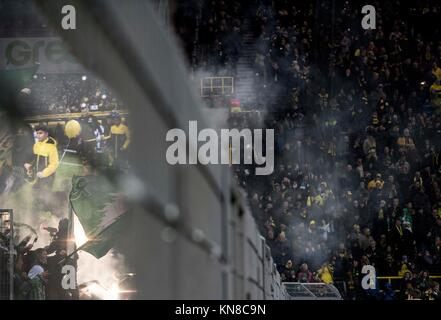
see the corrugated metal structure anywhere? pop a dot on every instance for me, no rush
(192, 235)
(7, 254)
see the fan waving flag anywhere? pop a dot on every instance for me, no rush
(101, 210)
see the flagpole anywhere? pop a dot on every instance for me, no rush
(71, 230)
(87, 242)
(65, 150)
(71, 235)
(71, 245)
(71, 254)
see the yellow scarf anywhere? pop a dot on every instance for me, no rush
(400, 230)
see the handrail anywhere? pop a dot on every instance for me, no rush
(400, 277)
(390, 278)
(226, 88)
(73, 115)
(309, 293)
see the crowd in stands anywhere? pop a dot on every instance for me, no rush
(37, 276)
(219, 31)
(67, 93)
(283, 47)
(21, 18)
(357, 121)
(357, 128)
(220, 34)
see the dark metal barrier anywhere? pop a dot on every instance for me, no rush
(6, 255)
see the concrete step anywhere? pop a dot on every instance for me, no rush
(246, 86)
(246, 68)
(244, 61)
(247, 77)
(246, 89)
(247, 55)
(244, 64)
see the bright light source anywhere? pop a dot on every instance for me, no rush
(80, 235)
(423, 83)
(84, 78)
(103, 96)
(35, 76)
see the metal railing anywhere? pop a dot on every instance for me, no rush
(57, 117)
(391, 279)
(312, 291)
(217, 86)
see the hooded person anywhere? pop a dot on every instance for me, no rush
(41, 170)
(312, 232)
(44, 163)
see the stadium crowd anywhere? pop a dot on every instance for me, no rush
(214, 40)
(66, 93)
(357, 127)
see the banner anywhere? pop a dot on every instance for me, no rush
(50, 53)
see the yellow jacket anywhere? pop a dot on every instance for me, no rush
(435, 91)
(437, 73)
(46, 156)
(325, 275)
(403, 270)
(121, 129)
(406, 142)
(375, 184)
(318, 200)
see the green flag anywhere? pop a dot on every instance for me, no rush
(101, 210)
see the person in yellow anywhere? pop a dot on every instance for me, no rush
(403, 270)
(325, 273)
(376, 183)
(435, 94)
(41, 173)
(45, 159)
(405, 143)
(118, 140)
(436, 71)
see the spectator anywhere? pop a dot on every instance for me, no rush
(304, 275)
(325, 273)
(38, 276)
